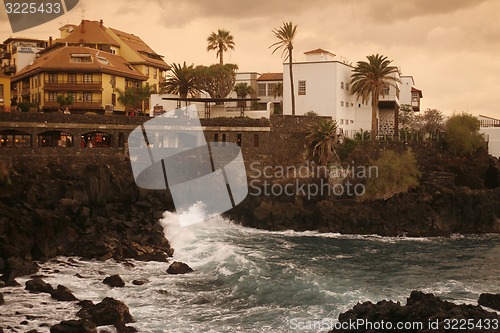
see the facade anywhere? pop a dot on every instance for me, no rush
(111, 60)
(4, 93)
(409, 94)
(267, 84)
(91, 76)
(17, 53)
(322, 85)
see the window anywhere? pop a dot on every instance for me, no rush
(415, 97)
(238, 139)
(52, 78)
(270, 89)
(51, 97)
(87, 97)
(341, 121)
(224, 139)
(155, 73)
(347, 86)
(80, 57)
(87, 78)
(302, 87)
(1, 93)
(386, 90)
(256, 140)
(147, 70)
(216, 137)
(113, 99)
(341, 103)
(346, 104)
(71, 78)
(341, 85)
(261, 89)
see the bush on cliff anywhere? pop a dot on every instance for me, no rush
(462, 134)
(397, 173)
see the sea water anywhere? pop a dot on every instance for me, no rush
(248, 280)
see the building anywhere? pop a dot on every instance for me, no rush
(270, 89)
(322, 85)
(17, 53)
(4, 93)
(136, 65)
(409, 94)
(89, 75)
(490, 128)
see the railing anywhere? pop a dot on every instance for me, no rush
(9, 69)
(78, 105)
(71, 85)
(5, 55)
(398, 136)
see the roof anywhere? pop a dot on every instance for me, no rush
(20, 39)
(59, 61)
(141, 48)
(319, 51)
(89, 32)
(417, 90)
(3, 76)
(271, 77)
(487, 117)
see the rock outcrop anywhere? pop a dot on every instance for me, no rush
(179, 268)
(491, 301)
(107, 312)
(114, 281)
(433, 314)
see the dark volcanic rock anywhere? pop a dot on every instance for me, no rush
(138, 282)
(2, 300)
(179, 268)
(37, 285)
(16, 267)
(63, 294)
(419, 308)
(108, 312)
(114, 281)
(491, 301)
(74, 326)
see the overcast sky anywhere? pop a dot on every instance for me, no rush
(450, 47)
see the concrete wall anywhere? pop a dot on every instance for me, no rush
(492, 135)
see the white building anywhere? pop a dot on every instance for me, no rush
(266, 86)
(490, 128)
(17, 53)
(409, 94)
(322, 85)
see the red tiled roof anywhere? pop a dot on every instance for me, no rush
(89, 32)
(59, 60)
(319, 51)
(417, 90)
(271, 77)
(141, 48)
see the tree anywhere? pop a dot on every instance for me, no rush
(323, 139)
(278, 90)
(406, 117)
(133, 97)
(217, 80)
(220, 41)
(180, 81)
(242, 89)
(369, 80)
(285, 35)
(462, 134)
(432, 121)
(65, 101)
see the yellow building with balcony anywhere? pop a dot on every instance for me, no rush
(4, 93)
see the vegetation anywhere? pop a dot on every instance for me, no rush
(65, 101)
(346, 148)
(285, 35)
(311, 114)
(406, 117)
(369, 80)
(278, 92)
(180, 81)
(26, 106)
(217, 80)
(396, 174)
(323, 139)
(462, 134)
(242, 89)
(133, 97)
(431, 122)
(220, 41)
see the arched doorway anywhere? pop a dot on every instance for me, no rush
(13, 138)
(96, 139)
(59, 139)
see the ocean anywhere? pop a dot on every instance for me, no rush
(248, 280)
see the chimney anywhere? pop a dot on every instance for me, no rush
(50, 41)
(83, 26)
(102, 23)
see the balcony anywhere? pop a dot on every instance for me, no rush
(9, 69)
(25, 92)
(5, 55)
(73, 86)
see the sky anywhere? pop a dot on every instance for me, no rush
(450, 47)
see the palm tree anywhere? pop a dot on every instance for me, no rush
(285, 35)
(369, 80)
(323, 138)
(220, 41)
(133, 97)
(180, 81)
(242, 89)
(278, 90)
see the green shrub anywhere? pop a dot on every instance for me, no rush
(310, 114)
(462, 134)
(397, 173)
(346, 148)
